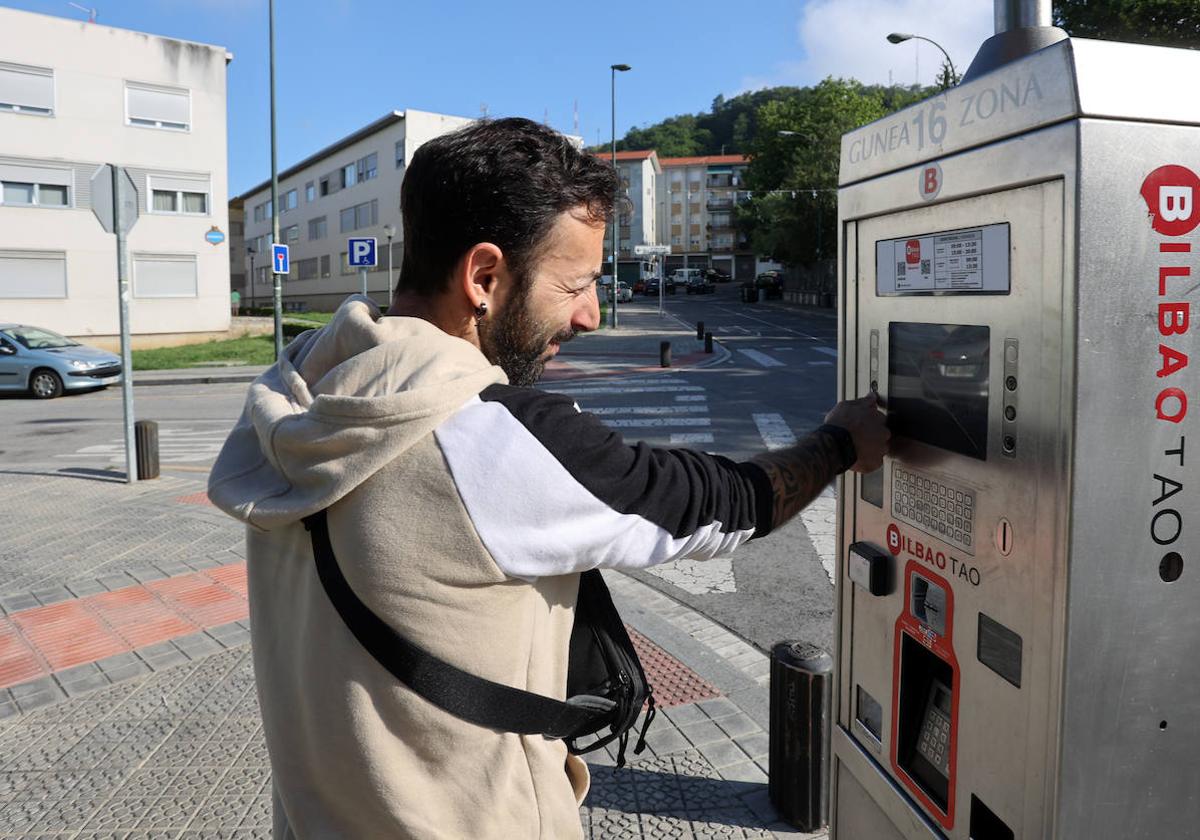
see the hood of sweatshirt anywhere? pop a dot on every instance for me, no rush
(341, 402)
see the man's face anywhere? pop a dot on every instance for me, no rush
(558, 301)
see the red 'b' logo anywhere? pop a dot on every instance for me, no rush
(1170, 193)
(893, 539)
(912, 251)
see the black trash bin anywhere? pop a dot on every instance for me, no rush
(801, 694)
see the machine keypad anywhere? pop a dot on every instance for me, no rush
(938, 509)
(934, 740)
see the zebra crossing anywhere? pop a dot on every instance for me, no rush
(665, 404)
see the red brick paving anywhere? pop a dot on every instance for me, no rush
(200, 498)
(42, 640)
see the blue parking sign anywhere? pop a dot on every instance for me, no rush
(280, 261)
(361, 251)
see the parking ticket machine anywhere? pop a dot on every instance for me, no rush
(1018, 594)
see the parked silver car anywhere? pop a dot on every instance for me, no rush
(44, 363)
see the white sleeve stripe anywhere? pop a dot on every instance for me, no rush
(536, 519)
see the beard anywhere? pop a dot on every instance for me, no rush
(518, 342)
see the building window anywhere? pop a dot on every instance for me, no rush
(237, 228)
(164, 275)
(33, 274)
(34, 195)
(290, 200)
(187, 196)
(317, 229)
(360, 216)
(367, 168)
(346, 269)
(676, 240)
(153, 106)
(325, 185)
(348, 175)
(26, 90)
(399, 154)
(310, 192)
(325, 260)
(260, 274)
(307, 269)
(262, 212)
(676, 209)
(290, 234)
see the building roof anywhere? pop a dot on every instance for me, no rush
(349, 140)
(703, 160)
(635, 154)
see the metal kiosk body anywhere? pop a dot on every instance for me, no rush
(1019, 586)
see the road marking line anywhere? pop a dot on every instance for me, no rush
(775, 432)
(828, 351)
(820, 364)
(650, 409)
(691, 437)
(593, 392)
(762, 358)
(768, 323)
(691, 398)
(656, 422)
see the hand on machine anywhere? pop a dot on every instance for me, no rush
(867, 426)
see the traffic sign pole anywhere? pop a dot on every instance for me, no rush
(119, 225)
(362, 276)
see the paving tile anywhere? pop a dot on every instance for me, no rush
(756, 744)
(16, 603)
(743, 771)
(702, 732)
(83, 683)
(737, 725)
(52, 595)
(119, 813)
(259, 814)
(171, 812)
(128, 671)
(138, 617)
(680, 715)
(719, 707)
(721, 754)
(142, 574)
(67, 634)
(667, 741)
(196, 645)
(117, 581)
(674, 827)
(221, 812)
(82, 588)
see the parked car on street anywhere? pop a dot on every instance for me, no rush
(770, 283)
(45, 364)
(652, 287)
(716, 276)
(624, 293)
(683, 275)
(700, 286)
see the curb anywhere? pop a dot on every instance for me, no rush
(196, 380)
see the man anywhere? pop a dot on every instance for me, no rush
(462, 503)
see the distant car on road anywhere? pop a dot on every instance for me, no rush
(700, 286)
(624, 293)
(770, 283)
(45, 364)
(652, 286)
(716, 276)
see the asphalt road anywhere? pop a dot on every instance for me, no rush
(777, 385)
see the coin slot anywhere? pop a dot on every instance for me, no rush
(1170, 567)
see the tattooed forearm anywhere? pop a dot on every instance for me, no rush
(799, 473)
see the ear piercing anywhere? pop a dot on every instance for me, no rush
(480, 314)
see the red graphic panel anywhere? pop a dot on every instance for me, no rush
(1170, 193)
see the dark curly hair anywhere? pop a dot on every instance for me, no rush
(503, 181)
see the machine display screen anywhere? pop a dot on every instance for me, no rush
(938, 385)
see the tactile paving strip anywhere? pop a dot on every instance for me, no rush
(674, 683)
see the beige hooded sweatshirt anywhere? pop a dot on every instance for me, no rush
(460, 510)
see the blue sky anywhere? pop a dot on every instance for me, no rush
(342, 63)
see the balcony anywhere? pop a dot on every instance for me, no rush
(719, 203)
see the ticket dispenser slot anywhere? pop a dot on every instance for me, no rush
(926, 710)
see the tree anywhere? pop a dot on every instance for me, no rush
(1167, 23)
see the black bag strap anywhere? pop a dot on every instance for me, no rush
(464, 695)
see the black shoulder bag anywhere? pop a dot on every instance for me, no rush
(606, 686)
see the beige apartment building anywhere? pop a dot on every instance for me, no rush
(74, 96)
(639, 172)
(348, 189)
(697, 196)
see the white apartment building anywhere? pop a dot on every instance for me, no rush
(638, 220)
(74, 96)
(697, 196)
(349, 189)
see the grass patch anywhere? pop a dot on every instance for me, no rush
(252, 350)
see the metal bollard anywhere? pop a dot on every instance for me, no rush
(708, 343)
(699, 330)
(798, 778)
(664, 354)
(145, 437)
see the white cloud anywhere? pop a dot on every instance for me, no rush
(847, 38)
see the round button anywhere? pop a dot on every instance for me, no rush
(1010, 412)
(1010, 383)
(1010, 354)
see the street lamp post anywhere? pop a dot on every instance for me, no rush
(615, 68)
(901, 37)
(277, 287)
(250, 274)
(389, 231)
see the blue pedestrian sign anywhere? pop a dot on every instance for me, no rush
(280, 262)
(362, 251)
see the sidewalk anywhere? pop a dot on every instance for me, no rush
(127, 703)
